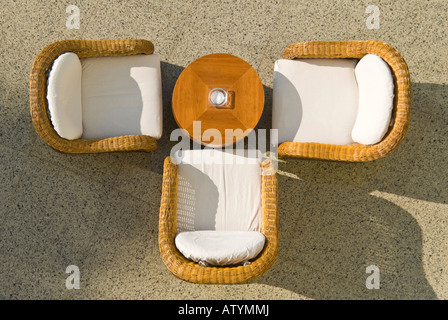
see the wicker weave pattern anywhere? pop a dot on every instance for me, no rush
(402, 103)
(191, 271)
(38, 91)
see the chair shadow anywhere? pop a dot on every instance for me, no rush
(339, 234)
(341, 231)
(197, 200)
(289, 107)
(170, 74)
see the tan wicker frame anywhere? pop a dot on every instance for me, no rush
(193, 272)
(38, 91)
(402, 103)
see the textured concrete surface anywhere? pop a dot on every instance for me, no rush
(100, 211)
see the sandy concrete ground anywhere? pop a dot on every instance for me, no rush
(100, 211)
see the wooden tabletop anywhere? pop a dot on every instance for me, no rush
(191, 99)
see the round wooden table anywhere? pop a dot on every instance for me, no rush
(218, 99)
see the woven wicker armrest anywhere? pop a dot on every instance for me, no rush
(38, 90)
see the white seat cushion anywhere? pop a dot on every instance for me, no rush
(220, 247)
(376, 98)
(218, 191)
(315, 100)
(64, 96)
(121, 96)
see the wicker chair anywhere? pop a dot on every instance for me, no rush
(39, 104)
(401, 110)
(191, 271)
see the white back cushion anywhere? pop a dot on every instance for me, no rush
(122, 96)
(220, 247)
(315, 100)
(376, 97)
(218, 191)
(64, 96)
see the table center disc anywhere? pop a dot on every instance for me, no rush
(218, 97)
